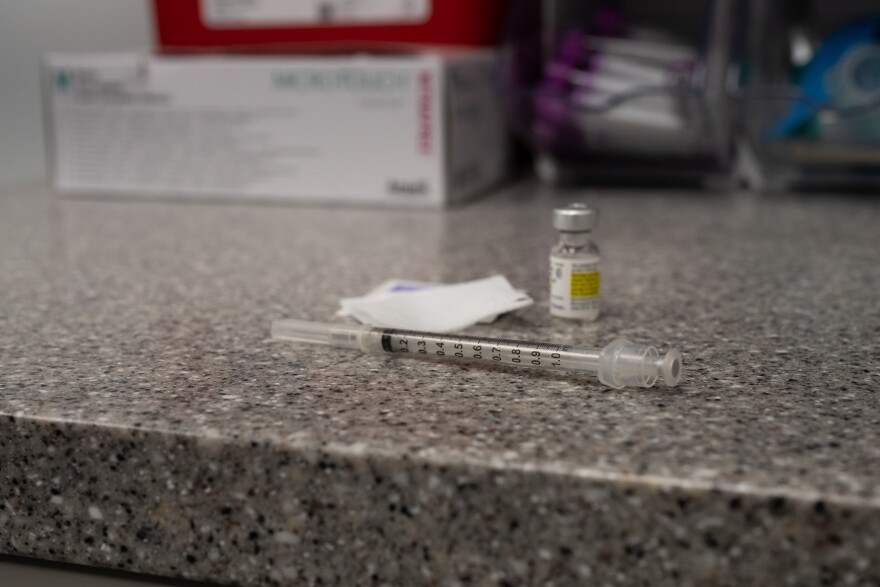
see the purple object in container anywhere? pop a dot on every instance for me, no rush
(553, 125)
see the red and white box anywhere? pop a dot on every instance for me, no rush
(413, 130)
(285, 25)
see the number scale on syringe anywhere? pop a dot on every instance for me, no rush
(489, 350)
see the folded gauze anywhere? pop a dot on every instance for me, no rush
(444, 308)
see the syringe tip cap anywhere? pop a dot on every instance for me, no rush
(671, 369)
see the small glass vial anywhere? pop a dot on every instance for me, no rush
(574, 264)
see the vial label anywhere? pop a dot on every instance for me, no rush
(574, 288)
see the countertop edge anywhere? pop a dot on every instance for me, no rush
(247, 512)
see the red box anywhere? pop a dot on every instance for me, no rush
(285, 25)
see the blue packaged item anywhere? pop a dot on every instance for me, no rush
(844, 73)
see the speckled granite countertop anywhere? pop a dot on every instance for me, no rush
(147, 423)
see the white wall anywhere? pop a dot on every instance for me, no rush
(30, 28)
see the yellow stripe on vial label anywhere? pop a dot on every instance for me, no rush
(584, 285)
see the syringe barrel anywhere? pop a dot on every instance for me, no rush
(499, 351)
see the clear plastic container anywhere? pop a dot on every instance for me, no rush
(811, 136)
(635, 93)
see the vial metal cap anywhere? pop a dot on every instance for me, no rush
(575, 218)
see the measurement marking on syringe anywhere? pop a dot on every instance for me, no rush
(499, 350)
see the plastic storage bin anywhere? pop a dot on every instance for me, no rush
(810, 104)
(633, 91)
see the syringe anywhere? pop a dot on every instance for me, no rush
(619, 364)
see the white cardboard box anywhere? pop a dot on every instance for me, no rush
(421, 130)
